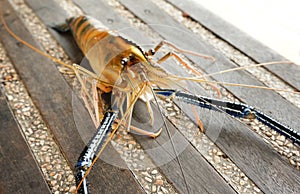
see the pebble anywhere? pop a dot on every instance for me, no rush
(36, 122)
(164, 190)
(289, 145)
(52, 173)
(256, 189)
(147, 188)
(154, 172)
(148, 179)
(26, 109)
(146, 174)
(134, 165)
(296, 152)
(57, 177)
(159, 182)
(153, 188)
(217, 160)
(72, 189)
(9, 97)
(42, 142)
(53, 182)
(130, 146)
(45, 148)
(281, 138)
(29, 131)
(49, 167)
(172, 114)
(142, 157)
(228, 172)
(280, 143)
(242, 182)
(292, 162)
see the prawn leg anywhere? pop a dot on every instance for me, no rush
(95, 99)
(237, 110)
(86, 97)
(147, 133)
(96, 102)
(141, 131)
(180, 60)
(151, 52)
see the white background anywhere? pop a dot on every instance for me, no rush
(275, 23)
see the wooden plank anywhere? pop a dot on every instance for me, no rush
(248, 45)
(19, 170)
(204, 167)
(258, 159)
(53, 97)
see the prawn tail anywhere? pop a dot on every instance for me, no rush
(63, 27)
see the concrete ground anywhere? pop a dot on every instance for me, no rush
(273, 22)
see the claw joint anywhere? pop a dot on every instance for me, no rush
(249, 114)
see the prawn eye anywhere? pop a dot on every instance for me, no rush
(124, 61)
(152, 51)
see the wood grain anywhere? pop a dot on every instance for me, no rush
(19, 170)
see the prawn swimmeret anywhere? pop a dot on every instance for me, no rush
(122, 68)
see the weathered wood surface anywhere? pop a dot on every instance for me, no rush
(270, 171)
(53, 96)
(19, 170)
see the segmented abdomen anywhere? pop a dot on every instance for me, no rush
(87, 31)
(102, 47)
